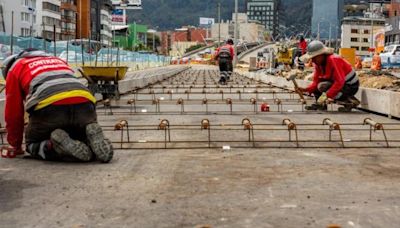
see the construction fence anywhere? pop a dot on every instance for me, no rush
(83, 52)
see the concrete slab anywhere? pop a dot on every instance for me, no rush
(236, 187)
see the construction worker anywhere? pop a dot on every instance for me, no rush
(224, 55)
(302, 45)
(301, 50)
(334, 78)
(62, 114)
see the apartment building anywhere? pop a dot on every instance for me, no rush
(68, 19)
(360, 33)
(25, 17)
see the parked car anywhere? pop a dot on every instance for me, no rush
(390, 57)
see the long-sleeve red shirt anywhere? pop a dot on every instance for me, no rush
(17, 88)
(335, 70)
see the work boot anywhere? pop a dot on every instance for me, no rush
(100, 145)
(315, 107)
(354, 101)
(64, 146)
(351, 103)
(346, 108)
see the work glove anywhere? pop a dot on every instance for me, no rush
(322, 99)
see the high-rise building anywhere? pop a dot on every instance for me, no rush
(68, 19)
(326, 18)
(94, 20)
(266, 12)
(48, 13)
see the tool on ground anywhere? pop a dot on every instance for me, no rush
(296, 86)
(8, 152)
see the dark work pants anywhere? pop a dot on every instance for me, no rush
(225, 68)
(346, 92)
(70, 118)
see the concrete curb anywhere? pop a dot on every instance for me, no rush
(381, 101)
(140, 79)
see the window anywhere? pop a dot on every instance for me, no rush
(25, 17)
(354, 31)
(354, 39)
(366, 31)
(357, 48)
(364, 48)
(51, 7)
(365, 40)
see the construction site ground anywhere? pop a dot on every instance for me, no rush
(266, 182)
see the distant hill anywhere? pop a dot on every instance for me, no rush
(170, 14)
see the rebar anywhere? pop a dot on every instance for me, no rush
(120, 126)
(333, 127)
(376, 127)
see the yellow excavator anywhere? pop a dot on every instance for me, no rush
(286, 54)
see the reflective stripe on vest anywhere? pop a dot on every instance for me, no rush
(351, 78)
(47, 85)
(225, 52)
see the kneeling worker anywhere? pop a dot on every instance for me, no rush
(62, 113)
(334, 78)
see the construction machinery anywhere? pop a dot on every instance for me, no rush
(104, 80)
(286, 54)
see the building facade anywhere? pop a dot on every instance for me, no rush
(94, 20)
(175, 43)
(68, 19)
(266, 12)
(363, 34)
(248, 31)
(326, 18)
(130, 36)
(392, 29)
(25, 17)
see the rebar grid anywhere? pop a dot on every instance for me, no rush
(258, 135)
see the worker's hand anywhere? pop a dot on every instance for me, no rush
(11, 152)
(322, 99)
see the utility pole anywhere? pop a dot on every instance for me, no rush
(236, 33)
(219, 23)
(372, 31)
(12, 32)
(330, 34)
(318, 35)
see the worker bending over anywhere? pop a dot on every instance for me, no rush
(334, 79)
(62, 112)
(224, 55)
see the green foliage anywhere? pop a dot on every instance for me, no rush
(171, 14)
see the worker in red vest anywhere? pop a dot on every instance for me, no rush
(224, 55)
(334, 78)
(62, 112)
(302, 45)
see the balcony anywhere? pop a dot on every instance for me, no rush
(68, 32)
(68, 6)
(68, 19)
